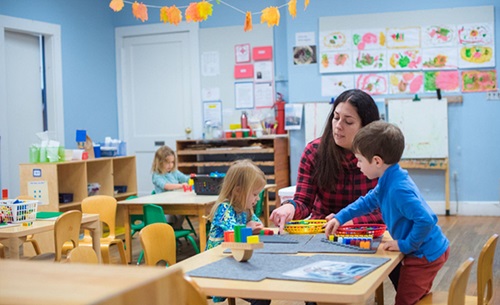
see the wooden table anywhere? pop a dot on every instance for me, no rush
(175, 203)
(14, 236)
(43, 283)
(323, 293)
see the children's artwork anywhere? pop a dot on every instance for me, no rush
(335, 40)
(334, 85)
(406, 82)
(304, 55)
(439, 58)
(335, 61)
(403, 38)
(479, 81)
(475, 34)
(293, 116)
(372, 83)
(438, 36)
(370, 60)
(405, 59)
(332, 271)
(443, 80)
(368, 39)
(476, 57)
(381, 109)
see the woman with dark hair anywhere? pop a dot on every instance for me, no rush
(328, 178)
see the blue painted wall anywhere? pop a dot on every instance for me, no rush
(89, 77)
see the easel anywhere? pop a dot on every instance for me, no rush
(432, 164)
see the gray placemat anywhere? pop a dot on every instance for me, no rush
(278, 239)
(316, 268)
(283, 248)
(319, 244)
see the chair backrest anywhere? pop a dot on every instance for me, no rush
(105, 206)
(456, 294)
(82, 254)
(66, 228)
(485, 272)
(195, 296)
(153, 214)
(181, 290)
(159, 244)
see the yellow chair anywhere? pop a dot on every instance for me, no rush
(2, 251)
(82, 254)
(456, 294)
(195, 296)
(484, 274)
(159, 244)
(105, 206)
(66, 229)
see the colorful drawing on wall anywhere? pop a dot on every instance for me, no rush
(304, 55)
(476, 56)
(439, 58)
(479, 81)
(370, 60)
(404, 38)
(335, 40)
(475, 34)
(340, 61)
(405, 59)
(444, 80)
(334, 85)
(438, 36)
(406, 82)
(368, 39)
(372, 83)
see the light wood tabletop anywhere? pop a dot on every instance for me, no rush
(324, 293)
(14, 236)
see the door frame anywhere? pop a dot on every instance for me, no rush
(143, 30)
(53, 74)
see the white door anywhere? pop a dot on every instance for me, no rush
(20, 92)
(159, 95)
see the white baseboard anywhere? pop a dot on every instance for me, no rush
(468, 208)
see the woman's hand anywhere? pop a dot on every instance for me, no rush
(391, 245)
(282, 215)
(330, 217)
(255, 226)
(331, 227)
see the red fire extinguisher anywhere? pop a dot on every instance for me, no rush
(279, 107)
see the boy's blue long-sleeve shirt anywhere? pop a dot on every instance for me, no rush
(408, 217)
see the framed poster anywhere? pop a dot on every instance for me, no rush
(242, 53)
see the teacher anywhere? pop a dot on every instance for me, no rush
(328, 177)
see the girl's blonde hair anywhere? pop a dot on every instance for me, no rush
(242, 178)
(160, 156)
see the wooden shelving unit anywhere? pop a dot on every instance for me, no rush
(271, 154)
(74, 176)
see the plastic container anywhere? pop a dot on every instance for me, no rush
(206, 185)
(305, 226)
(22, 211)
(244, 120)
(376, 230)
(286, 193)
(246, 132)
(238, 133)
(229, 134)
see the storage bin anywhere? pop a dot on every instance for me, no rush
(206, 185)
(65, 197)
(17, 211)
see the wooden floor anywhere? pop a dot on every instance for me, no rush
(467, 236)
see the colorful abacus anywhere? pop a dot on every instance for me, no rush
(241, 242)
(362, 241)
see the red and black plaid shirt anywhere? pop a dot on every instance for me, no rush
(351, 184)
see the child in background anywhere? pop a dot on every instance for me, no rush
(412, 224)
(239, 193)
(166, 177)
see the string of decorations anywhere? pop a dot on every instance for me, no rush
(200, 11)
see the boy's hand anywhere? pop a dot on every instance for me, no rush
(330, 217)
(255, 226)
(331, 227)
(391, 245)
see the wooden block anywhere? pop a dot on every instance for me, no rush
(253, 239)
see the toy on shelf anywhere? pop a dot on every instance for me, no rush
(241, 242)
(311, 226)
(376, 230)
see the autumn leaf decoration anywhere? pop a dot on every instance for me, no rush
(292, 8)
(306, 4)
(198, 11)
(248, 22)
(140, 11)
(271, 15)
(116, 5)
(171, 15)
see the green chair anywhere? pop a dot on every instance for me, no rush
(154, 214)
(136, 221)
(187, 219)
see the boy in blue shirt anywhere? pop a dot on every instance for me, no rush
(412, 224)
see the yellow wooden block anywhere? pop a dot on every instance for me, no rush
(254, 239)
(330, 237)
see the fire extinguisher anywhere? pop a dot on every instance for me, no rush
(279, 107)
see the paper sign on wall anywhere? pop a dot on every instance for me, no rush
(262, 53)
(243, 71)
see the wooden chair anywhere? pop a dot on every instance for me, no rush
(82, 254)
(66, 229)
(195, 296)
(105, 206)
(159, 244)
(484, 274)
(456, 294)
(30, 238)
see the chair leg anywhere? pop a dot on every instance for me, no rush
(35, 245)
(193, 243)
(231, 301)
(2, 251)
(105, 254)
(379, 294)
(191, 226)
(121, 249)
(139, 260)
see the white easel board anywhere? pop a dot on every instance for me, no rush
(315, 118)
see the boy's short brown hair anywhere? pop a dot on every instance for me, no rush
(381, 139)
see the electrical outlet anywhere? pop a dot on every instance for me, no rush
(493, 96)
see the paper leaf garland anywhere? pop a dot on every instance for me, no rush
(171, 15)
(306, 4)
(292, 8)
(204, 10)
(116, 5)
(271, 15)
(248, 22)
(140, 11)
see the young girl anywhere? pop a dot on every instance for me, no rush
(239, 193)
(166, 177)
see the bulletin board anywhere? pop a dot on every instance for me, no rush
(424, 124)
